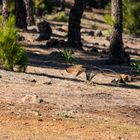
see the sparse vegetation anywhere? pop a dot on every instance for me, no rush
(43, 5)
(67, 55)
(60, 17)
(65, 114)
(11, 53)
(109, 20)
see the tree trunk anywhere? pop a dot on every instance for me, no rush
(30, 12)
(116, 43)
(74, 34)
(5, 12)
(62, 5)
(20, 13)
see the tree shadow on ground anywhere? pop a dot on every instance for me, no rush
(52, 61)
(56, 77)
(128, 86)
(86, 59)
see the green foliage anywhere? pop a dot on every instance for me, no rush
(108, 34)
(67, 55)
(11, 53)
(136, 66)
(60, 17)
(131, 10)
(109, 20)
(44, 5)
(39, 4)
(132, 17)
(12, 5)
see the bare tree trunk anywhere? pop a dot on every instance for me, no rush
(62, 5)
(116, 43)
(30, 12)
(20, 13)
(74, 34)
(5, 11)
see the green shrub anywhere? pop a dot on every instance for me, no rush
(61, 16)
(45, 5)
(11, 53)
(109, 19)
(132, 17)
(67, 55)
(131, 10)
(11, 5)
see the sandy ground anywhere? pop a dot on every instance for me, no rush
(63, 107)
(71, 109)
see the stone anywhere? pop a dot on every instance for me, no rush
(16, 68)
(56, 43)
(43, 36)
(94, 50)
(44, 29)
(91, 33)
(31, 99)
(98, 33)
(104, 51)
(43, 26)
(32, 29)
(52, 43)
(20, 37)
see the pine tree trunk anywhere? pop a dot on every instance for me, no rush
(116, 43)
(62, 5)
(74, 34)
(5, 12)
(30, 12)
(20, 13)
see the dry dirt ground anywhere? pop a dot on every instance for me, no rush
(47, 103)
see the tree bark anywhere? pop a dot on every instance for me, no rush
(62, 5)
(116, 43)
(20, 13)
(30, 12)
(5, 12)
(74, 34)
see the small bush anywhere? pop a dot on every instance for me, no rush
(109, 20)
(67, 55)
(11, 53)
(44, 5)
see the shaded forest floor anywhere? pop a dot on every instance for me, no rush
(47, 103)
